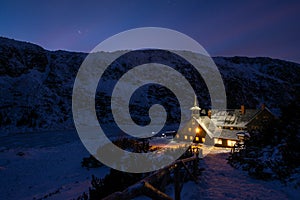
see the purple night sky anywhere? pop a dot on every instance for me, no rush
(224, 28)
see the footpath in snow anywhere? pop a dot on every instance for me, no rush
(47, 166)
(221, 181)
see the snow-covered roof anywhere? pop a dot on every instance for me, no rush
(229, 134)
(233, 117)
(221, 121)
(195, 108)
(207, 124)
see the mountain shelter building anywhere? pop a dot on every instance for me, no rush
(220, 127)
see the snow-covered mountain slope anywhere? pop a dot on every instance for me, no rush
(36, 85)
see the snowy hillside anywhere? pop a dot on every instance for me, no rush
(36, 85)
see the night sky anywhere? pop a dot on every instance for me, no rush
(223, 28)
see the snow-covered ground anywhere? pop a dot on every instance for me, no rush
(221, 181)
(48, 166)
(44, 166)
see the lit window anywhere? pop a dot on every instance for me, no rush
(197, 139)
(231, 128)
(197, 130)
(203, 140)
(218, 141)
(177, 136)
(190, 129)
(191, 138)
(185, 137)
(230, 143)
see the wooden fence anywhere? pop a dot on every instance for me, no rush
(153, 185)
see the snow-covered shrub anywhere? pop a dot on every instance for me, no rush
(90, 162)
(113, 182)
(273, 153)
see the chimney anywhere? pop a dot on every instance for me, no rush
(209, 113)
(263, 106)
(242, 109)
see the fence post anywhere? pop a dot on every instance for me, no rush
(177, 182)
(195, 164)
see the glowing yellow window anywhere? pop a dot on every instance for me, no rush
(190, 129)
(197, 139)
(218, 141)
(185, 137)
(230, 143)
(203, 140)
(197, 130)
(191, 138)
(231, 128)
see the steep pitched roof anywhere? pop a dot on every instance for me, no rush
(229, 134)
(260, 111)
(233, 117)
(207, 124)
(225, 118)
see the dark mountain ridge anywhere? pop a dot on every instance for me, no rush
(36, 85)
